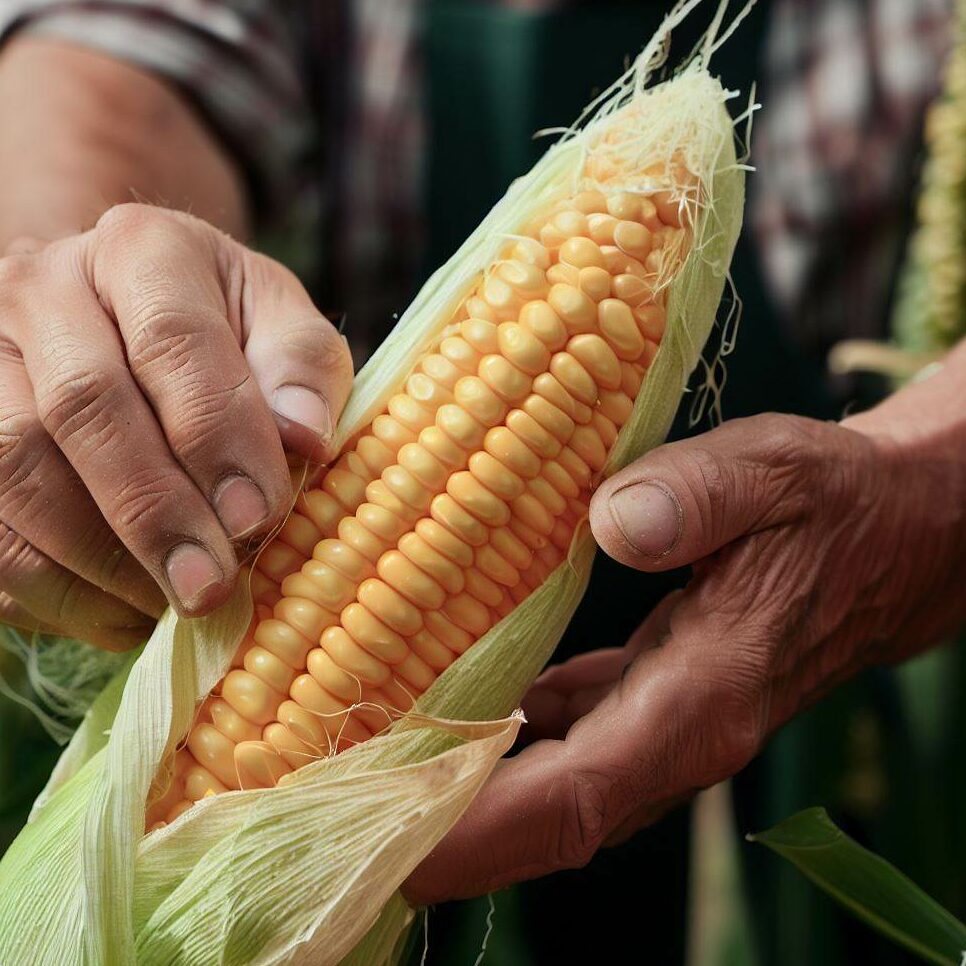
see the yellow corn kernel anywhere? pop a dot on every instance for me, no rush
(454, 504)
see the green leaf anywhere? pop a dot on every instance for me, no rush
(867, 886)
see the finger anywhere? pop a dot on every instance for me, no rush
(684, 716)
(685, 500)
(550, 714)
(167, 280)
(16, 615)
(58, 598)
(585, 670)
(299, 360)
(566, 692)
(35, 477)
(95, 413)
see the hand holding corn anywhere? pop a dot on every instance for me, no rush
(818, 549)
(151, 370)
(148, 341)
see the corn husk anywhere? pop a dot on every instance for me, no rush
(308, 872)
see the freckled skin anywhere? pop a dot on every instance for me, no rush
(457, 502)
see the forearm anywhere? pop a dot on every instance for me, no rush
(83, 131)
(921, 429)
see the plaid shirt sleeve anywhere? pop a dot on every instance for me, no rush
(234, 59)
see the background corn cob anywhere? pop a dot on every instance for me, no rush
(331, 842)
(935, 318)
(930, 310)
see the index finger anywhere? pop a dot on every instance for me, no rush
(167, 281)
(93, 410)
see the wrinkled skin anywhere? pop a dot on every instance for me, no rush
(152, 368)
(150, 371)
(818, 549)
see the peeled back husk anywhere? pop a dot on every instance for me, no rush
(308, 872)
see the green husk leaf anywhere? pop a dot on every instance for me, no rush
(91, 735)
(308, 871)
(867, 886)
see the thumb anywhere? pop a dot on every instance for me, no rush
(300, 362)
(685, 500)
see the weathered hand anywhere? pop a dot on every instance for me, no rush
(817, 549)
(151, 370)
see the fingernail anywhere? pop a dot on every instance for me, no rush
(240, 506)
(305, 407)
(193, 575)
(649, 516)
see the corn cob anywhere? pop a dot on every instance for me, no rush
(453, 505)
(930, 311)
(929, 314)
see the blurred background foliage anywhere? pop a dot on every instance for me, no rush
(884, 753)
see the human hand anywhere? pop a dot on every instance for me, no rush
(151, 370)
(818, 549)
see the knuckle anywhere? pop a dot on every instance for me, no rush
(315, 342)
(144, 252)
(17, 274)
(81, 402)
(141, 502)
(120, 223)
(68, 600)
(774, 465)
(311, 337)
(780, 431)
(710, 484)
(735, 702)
(14, 615)
(265, 276)
(97, 552)
(712, 477)
(163, 336)
(109, 565)
(167, 334)
(23, 444)
(24, 245)
(583, 811)
(16, 555)
(788, 443)
(204, 413)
